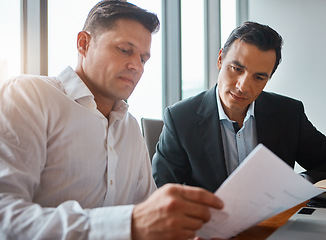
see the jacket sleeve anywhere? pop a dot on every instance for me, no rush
(170, 162)
(312, 150)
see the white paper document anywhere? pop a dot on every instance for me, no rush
(261, 187)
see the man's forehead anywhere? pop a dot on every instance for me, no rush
(251, 57)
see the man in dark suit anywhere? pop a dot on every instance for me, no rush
(207, 136)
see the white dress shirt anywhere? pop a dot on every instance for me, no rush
(64, 169)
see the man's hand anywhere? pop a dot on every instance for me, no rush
(173, 212)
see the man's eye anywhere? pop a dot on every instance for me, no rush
(125, 51)
(260, 78)
(236, 69)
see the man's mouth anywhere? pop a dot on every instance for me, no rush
(127, 80)
(237, 98)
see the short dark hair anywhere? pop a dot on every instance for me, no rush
(104, 14)
(262, 36)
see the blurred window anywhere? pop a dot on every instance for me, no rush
(146, 100)
(10, 64)
(192, 47)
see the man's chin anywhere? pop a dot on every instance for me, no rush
(125, 97)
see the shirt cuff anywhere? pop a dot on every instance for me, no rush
(111, 222)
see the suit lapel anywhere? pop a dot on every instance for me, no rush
(268, 130)
(209, 130)
(210, 135)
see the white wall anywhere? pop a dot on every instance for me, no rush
(302, 72)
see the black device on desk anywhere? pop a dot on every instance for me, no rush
(318, 202)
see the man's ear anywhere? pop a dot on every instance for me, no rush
(83, 40)
(219, 60)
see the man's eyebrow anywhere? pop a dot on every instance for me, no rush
(263, 74)
(238, 64)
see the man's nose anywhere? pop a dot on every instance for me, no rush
(243, 83)
(136, 63)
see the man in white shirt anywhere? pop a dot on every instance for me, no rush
(73, 163)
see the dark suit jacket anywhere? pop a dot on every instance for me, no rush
(190, 148)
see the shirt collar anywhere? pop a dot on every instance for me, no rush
(118, 112)
(222, 114)
(76, 89)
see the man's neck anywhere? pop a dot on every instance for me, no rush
(236, 115)
(105, 108)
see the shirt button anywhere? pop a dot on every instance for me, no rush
(111, 182)
(110, 148)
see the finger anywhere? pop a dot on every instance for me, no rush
(193, 224)
(195, 210)
(201, 196)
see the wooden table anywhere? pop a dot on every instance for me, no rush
(267, 227)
